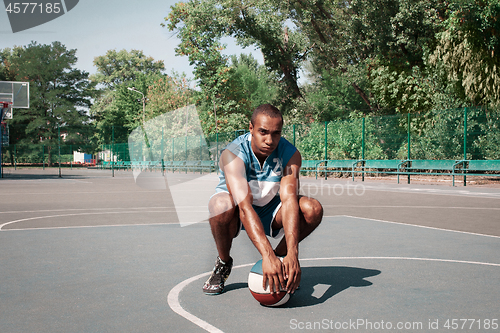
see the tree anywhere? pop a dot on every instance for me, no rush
(258, 85)
(119, 111)
(117, 67)
(353, 37)
(469, 49)
(59, 94)
(168, 93)
(200, 25)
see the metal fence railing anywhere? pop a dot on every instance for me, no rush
(466, 133)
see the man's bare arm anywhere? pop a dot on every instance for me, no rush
(234, 172)
(289, 190)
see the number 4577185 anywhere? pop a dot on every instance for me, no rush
(462, 324)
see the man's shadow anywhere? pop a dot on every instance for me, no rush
(318, 284)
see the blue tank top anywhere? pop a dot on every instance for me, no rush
(264, 181)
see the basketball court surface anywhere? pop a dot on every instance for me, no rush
(93, 253)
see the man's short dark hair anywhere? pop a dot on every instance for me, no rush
(268, 110)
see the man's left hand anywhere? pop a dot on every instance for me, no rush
(291, 272)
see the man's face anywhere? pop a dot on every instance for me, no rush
(266, 134)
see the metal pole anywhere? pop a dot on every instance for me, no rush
(326, 148)
(43, 156)
(216, 138)
(59, 147)
(143, 109)
(409, 144)
(217, 152)
(363, 150)
(162, 157)
(186, 147)
(112, 150)
(465, 143)
(294, 135)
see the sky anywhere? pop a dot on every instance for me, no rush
(93, 27)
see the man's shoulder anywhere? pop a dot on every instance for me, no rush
(239, 146)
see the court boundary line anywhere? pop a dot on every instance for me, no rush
(418, 207)
(205, 222)
(410, 190)
(79, 214)
(173, 295)
(94, 209)
(416, 225)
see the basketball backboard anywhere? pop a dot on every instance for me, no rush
(17, 93)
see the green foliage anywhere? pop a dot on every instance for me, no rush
(469, 46)
(344, 140)
(436, 135)
(115, 68)
(250, 86)
(486, 134)
(118, 110)
(256, 83)
(59, 94)
(331, 95)
(404, 92)
(200, 25)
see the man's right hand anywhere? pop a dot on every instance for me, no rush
(272, 270)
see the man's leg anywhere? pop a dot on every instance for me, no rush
(224, 222)
(310, 216)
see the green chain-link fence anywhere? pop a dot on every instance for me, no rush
(467, 133)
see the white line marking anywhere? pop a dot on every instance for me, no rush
(417, 207)
(173, 295)
(382, 188)
(415, 225)
(80, 214)
(98, 226)
(99, 209)
(79, 209)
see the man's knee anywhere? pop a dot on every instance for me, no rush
(312, 210)
(222, 208)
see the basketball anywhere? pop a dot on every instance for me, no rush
(264, 296)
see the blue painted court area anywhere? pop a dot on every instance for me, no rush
(107, 256)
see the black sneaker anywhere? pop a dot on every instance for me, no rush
(220, 273)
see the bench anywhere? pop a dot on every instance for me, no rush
(191, 166)
(382, 166)
(143, 165)
(336, 166)
(478, 168)
(208, 165)
(308, 166)
(446, 167)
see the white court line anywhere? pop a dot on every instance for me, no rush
(98, 226)
(95, 209)
(415, 225)
(419, 207)
(445, 192)
(173, 295)
(83, 214)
